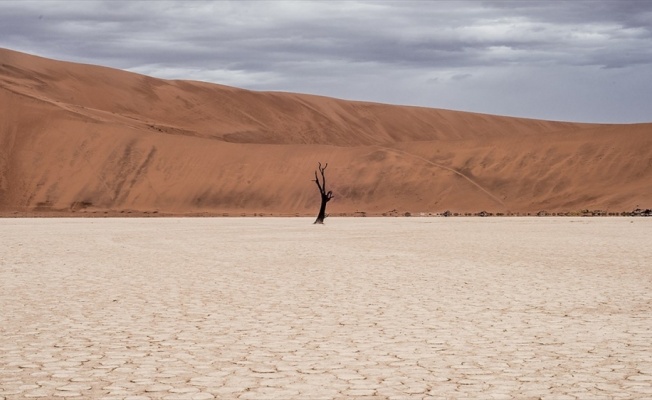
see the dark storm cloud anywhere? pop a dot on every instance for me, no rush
(504, 57)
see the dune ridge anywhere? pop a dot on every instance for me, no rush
(92, 140)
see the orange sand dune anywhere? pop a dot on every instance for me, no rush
(94, 140)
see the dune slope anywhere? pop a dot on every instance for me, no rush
(93, 140)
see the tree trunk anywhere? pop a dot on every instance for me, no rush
(322, 211)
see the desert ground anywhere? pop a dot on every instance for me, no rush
(382, 308)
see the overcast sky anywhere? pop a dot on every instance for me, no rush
(588, 61)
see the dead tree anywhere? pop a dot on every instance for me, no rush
(325, 196)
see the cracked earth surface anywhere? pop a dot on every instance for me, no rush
(376, 308)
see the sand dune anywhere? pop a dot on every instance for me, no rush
(94, 140)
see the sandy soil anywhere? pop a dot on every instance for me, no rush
(87, 139)
(358, 308)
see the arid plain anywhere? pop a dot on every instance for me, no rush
(259, 308)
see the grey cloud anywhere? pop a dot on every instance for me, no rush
(366, 50)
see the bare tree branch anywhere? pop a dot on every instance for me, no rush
(325, 197)
(323, 177)
(321, 190)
